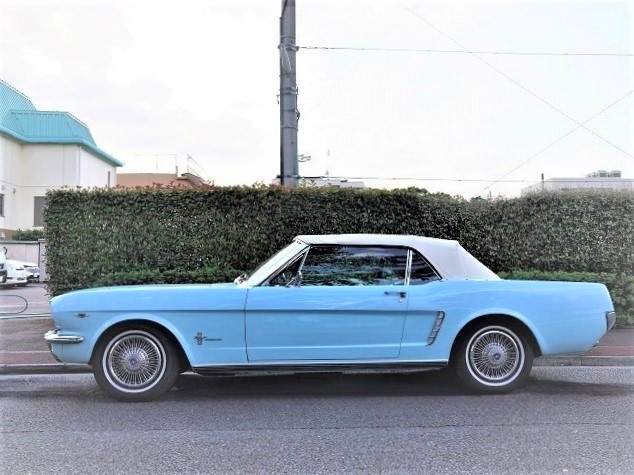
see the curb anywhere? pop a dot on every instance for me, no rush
(572, 360)
(583, 360)
(46, 368)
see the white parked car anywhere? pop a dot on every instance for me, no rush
(32, 271)
(3, 271)
(16, 274)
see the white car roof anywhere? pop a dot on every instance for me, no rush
(449, 258)
(15, 262)
(28, 264)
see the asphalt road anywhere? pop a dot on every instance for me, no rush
(567, 420)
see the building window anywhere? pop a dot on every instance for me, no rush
(1, 204)
(108, 179)
(38, 210)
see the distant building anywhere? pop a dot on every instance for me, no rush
(132, 180)
(599, 180)
(332, 182)
(40, 151)
(320, 182)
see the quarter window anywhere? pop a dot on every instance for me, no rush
(421, 270)
(354, 265)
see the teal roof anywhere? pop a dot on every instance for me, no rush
(20, 120)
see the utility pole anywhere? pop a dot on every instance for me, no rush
(289, 114)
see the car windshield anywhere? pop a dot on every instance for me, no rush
(271, 265)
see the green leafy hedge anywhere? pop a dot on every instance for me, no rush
(621, 287)
(198, 276)
(590, 231)
(94, 233)
(27, 234)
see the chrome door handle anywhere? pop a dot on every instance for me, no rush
(400, 293)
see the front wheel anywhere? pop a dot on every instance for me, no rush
(494, 359)
(135, 364)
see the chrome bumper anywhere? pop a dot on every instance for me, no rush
(610, 319)
(53, 336)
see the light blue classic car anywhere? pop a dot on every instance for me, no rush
(331, 303)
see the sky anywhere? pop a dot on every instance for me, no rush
(157, 81)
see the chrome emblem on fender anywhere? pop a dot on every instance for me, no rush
(200, 338)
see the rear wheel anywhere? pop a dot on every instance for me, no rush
(136, 363)
(494, 359)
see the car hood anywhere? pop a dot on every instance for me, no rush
(148, 297)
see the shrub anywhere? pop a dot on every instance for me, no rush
(27, 234)
(198, 276)
(587, 231)
(94, 233)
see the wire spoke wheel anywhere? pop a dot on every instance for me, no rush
(134, 361)
(495, 356)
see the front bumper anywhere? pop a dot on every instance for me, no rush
(53, 336)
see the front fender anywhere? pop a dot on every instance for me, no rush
(83, 352)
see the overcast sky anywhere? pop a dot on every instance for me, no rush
(200, 78)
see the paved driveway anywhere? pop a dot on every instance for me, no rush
(29, 300)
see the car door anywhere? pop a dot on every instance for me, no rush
(350, 304)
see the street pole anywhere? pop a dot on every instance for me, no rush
(289, 169)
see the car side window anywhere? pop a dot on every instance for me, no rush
(422, 271)
(354, 265)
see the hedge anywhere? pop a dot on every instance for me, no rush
(198, 276)
(93, 233)
(621, 287)
(27, 234)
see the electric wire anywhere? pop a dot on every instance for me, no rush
(556, 141)
(458, 180)
(514, 81)
(429, 50)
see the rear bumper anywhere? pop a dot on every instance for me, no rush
(610, 319)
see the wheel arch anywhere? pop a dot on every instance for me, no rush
(184, 360)
(510, 321)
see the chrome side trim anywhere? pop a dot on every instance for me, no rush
(436, 328)
(53, 336)
(322, 367)
(408, 267)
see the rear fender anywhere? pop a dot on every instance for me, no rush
(501, 313)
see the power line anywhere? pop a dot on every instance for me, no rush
(453, 180)
(417, 50)
(474, 180)
(393, 178)
(514, 81)
(556, 141)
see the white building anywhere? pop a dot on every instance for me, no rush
(599, 180)
(39, 151)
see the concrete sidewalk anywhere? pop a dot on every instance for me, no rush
(23, 350)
